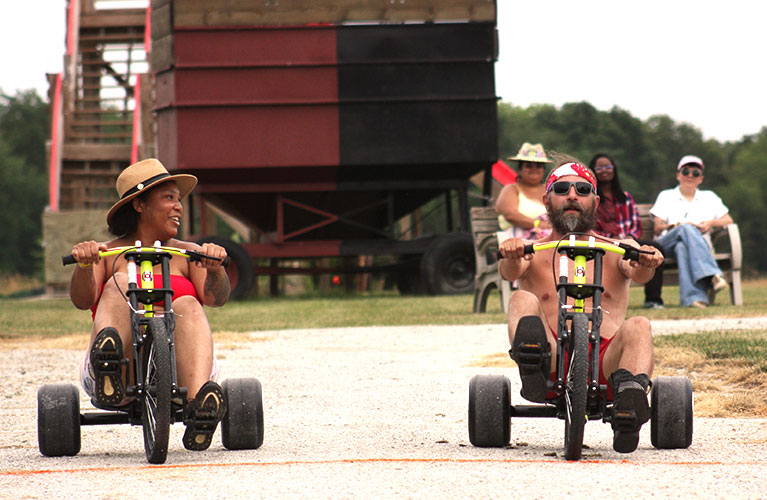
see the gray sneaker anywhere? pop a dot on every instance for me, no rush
(652, 305)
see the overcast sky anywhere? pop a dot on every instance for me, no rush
(699, 62)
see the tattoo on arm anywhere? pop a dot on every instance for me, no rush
(217, 287)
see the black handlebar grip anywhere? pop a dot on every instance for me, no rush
(227, 261)
(68, 259)
(528, 250)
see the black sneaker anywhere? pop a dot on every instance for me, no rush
(107, 362)
(203, 413)
(630, 409)
(532, 353)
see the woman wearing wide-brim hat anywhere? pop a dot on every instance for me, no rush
(519, 206)
(149, 209)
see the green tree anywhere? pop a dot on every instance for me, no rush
(24, 125)
(23, 129)
(21, 205)
(744, 195)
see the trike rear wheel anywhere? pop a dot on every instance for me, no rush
(243, 425)
(576, 387)
(156, 397)
(489, 411)
(671, 408)
(58, 420)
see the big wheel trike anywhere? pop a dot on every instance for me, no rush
(156, 400)
(575, 394)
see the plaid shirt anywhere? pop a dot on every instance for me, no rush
(618, 220)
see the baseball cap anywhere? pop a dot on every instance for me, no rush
(690, 159)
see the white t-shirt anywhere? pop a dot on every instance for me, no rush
(673, 208)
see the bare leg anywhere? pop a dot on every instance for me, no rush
(194, 345)
(523, 303)
(631, 349)
(113, 311)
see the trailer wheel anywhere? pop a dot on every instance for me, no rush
(240, 269)
(448, 266)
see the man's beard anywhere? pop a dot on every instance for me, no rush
(572, 223)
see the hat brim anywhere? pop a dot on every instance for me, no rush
(185, 182)
(531, 160)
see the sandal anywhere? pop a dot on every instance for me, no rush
(107, 361)
(203, 413)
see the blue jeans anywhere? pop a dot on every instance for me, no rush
(695, 262)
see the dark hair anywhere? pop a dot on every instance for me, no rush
(125, 220)
(615, 184)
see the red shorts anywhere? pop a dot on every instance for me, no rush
(603, 344)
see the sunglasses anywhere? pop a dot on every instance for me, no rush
(694, 171)
(599, 168)
(581, 188)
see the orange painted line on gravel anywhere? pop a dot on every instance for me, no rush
(373, 461)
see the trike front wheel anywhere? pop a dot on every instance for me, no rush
(156, 396)
(576, 389)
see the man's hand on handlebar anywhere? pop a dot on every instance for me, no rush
(651, 259)
(514, 249)
(86, 253)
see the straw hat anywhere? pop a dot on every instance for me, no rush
(531, 152)
(145, 175)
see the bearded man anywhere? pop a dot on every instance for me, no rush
(626, 350)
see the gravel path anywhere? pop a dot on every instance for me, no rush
(374, 412)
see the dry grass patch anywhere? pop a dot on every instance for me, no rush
(722, 388)
(69, 342)
(497, 360)
(238, 340)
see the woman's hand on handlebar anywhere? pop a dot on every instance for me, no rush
(212, 250)
(514, 249)
(86, 253)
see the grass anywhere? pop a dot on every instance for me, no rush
(55, 317)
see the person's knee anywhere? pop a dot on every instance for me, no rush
(523, 299)
(637, 329)
(117, 284)
(188, 305)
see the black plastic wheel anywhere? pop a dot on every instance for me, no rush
(243, 424)
(58, 420)
(576, 391)
(239, 270)
(489, 411)
(448, 266)
(671, 406)
(156, 398)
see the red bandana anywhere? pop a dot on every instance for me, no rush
(570, 169)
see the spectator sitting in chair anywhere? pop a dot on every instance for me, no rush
(683, 218)
(521, 213)
(618, 218)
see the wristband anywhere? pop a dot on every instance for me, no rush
(84, 266)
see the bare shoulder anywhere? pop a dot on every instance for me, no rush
(184, 245)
